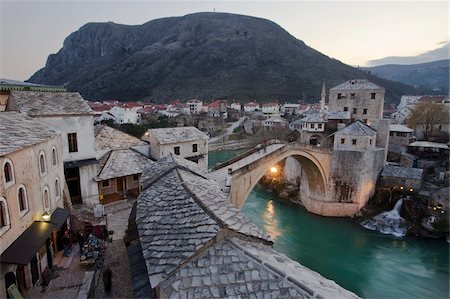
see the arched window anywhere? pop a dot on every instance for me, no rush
(8, 172)
(54, 158)
(4, 217)
(57, 189)
(42, 163)
(22, 199)
(46, 198)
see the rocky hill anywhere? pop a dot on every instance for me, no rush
(431, 75)
(202, 55)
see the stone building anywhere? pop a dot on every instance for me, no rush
(186, 240)
(275, 122)
(186, 142)
(399, 138)
(31, 200)
(195, 106)
(70, 114)
(355, 137)
(402, 178)
(363, 99)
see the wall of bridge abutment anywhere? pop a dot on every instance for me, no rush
(347, 179)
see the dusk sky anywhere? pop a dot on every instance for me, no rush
(352, 32)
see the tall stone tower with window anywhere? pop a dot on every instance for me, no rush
(363, 99)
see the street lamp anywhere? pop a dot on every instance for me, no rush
(273, 169)
(46, 217)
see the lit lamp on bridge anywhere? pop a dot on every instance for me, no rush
(46, 217)
(273, 169)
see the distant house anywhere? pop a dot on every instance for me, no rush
(402, 178)
(251, 107)
(218, 108)
(275, 122)
(195, 106)
(236, 106)
(313, 123)
(127, 113)
(70, 114)
(186, 142)
(290, 109)
(270, 109)
(399, 138)
(31, 200)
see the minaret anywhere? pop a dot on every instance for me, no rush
(322, 99)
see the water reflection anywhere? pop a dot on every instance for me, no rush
(271, 225)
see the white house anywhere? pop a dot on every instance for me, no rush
(187, 142)
(312, 123)
(195, 106)
(236, 106)
(275, 122)
(31, 199)
(251, 107)
(270, 109)
(126, 113)
(70, 114)
(291, 109)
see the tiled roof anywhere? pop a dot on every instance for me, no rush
(174, 135)
(19, 131)
(50, 103)
(429, 144)
(119, 163)
(357, 84)
(402, 172)
(339, 115)
(313, 118)
(357, 128)
(400, 128)
(277, 119)
(107, 138)
(196, 244)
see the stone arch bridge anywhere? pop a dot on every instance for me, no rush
(339, 182)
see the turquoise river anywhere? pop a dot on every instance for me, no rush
(368, 263)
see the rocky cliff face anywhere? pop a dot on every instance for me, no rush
(203, 55)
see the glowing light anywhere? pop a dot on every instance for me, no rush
(46, 217)
(411, 189)
(401, 188)
(273, 169)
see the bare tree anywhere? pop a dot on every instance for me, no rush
(428, 115)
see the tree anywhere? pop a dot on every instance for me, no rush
(428, 115)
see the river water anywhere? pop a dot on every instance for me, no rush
(371, 264)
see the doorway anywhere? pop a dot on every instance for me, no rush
(34, 270)
(73, 183)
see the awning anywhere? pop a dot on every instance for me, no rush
(28, 243)
(59, 216)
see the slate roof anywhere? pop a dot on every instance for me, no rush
(107, 138)
(36, 103)
(19, 131)
(357, 128)
(339, 115)
(122, 162)
(402, 172)
(174, 135)
(357, 84)
(400, 128)
(429, 144)
(197, 245)
(313, 118)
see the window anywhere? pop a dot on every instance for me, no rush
(391, 133)
(342, 140)
(73, 145)
(339, 96)
(57, 189)
(22, 199)
(319, 126)
(353, 141)
(354, 111)
(194, 148)
(372, 96)
(105, 183)
(345, 108)
(364, 111)
(4, 218)
(311, 126)
(370, 141)
(46, 199)
(42, 167)
(54, 157)
(352, 96)
(135, 177)
(8, 173)
(176, 150)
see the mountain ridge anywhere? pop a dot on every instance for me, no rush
(202, 55)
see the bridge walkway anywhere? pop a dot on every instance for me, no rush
(220, 175)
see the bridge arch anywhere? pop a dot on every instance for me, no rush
(315, 163)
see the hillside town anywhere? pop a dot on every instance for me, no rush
(76, 190)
